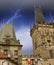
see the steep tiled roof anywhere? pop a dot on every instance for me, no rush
(2, 55)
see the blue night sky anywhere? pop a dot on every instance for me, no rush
(20, 13)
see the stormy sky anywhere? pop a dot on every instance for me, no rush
(20, 13)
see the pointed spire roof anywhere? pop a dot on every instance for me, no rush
(7, 29)
(39, 18)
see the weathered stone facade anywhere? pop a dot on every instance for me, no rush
(5, 60)
(9, 45)
(42, 35)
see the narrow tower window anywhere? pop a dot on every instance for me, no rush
(6, 52)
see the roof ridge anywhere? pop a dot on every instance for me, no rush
(2, 55)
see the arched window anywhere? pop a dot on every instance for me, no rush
(48, 41)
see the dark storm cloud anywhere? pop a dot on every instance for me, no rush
(8, 7)
(25, 3)
(8, 4)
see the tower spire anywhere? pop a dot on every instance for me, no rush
(39, 18)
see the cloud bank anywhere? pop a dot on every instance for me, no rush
(25, 3)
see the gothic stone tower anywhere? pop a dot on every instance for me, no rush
(9, 45)
(42, 35)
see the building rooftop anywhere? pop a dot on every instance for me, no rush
(2, 56)
(7, 35)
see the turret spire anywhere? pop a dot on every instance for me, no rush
(39, 18)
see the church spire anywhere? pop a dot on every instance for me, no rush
(39, 18)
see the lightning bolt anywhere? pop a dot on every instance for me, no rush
(15, 15)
